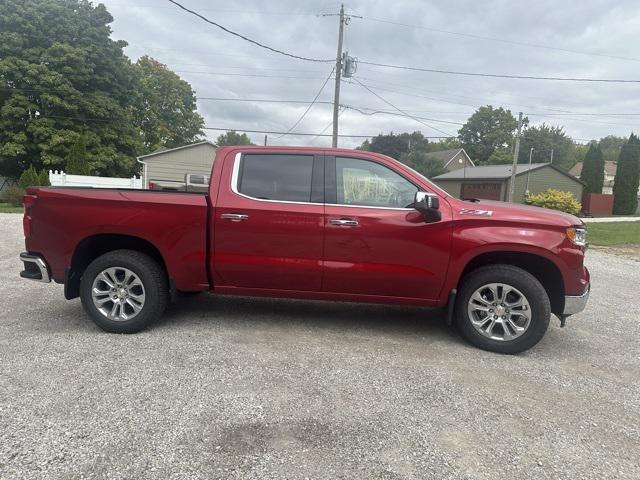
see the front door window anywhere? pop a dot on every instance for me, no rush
(369, 184)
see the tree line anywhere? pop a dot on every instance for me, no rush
(69, 94)
(488, 138)
(70, 99)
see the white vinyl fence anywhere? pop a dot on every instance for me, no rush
(61, 179)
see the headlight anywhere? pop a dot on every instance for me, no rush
(578, 236)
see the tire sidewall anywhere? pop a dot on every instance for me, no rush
(527, 284)
(146, 269)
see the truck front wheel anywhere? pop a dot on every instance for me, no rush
(502, 308)
(124, 291)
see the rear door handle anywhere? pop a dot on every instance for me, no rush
(344, 222)
(234, 217)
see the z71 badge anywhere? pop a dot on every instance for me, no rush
(474, 211)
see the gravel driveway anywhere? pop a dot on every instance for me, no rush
(250, 388)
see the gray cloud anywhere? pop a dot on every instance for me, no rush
(216, 63)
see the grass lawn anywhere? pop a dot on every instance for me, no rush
(6, 208)
(613, 233)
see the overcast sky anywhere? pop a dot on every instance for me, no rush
(223, 66)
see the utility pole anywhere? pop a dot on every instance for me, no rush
(265, 140)
(516, 152)
(338, 71)
(526, 192)
(551, 156)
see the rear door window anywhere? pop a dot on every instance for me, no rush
(276, 177)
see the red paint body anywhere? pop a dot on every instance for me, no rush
(290, 249)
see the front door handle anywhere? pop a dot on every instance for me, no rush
(234, 217)
(344, 222)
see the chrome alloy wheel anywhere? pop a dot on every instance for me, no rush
(118, 294)
(499, 311)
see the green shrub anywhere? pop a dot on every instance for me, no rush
(43, 178)
(555, 200)
(13, 195)
(31, 178)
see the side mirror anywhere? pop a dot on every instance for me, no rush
(428, 204)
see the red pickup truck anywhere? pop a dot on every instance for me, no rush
(311, 223)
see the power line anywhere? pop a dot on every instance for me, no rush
(342, 110)
(400, 110)
(262, 45)
(257, 75)
(261, 100)
(581, 120)
(502, 40)
(386, 112)
(272, 132)
(558, 116)
(479, 103)
(303, 134)
(217, 10)
(497, 75)
(588, 114)
(311, 104)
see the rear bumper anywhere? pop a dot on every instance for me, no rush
(576, 304)
(35, 268)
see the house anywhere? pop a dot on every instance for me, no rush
(610, 168)
(166, 168)
(491, 182)
(453, 159)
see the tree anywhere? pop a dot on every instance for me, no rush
(31, 177)
(61, 73)
(233, 138)
(77, 163)
(28, 178)
(593, 169)
(610, 146)
(501, 156)
(391, 145)
(486, 130)
(544, 138)
(445, 144)
(165, 107)
(577, 153)
(418, 158)
(625, 186)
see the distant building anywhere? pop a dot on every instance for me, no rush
(491, 182)
(166, 168)
(610, 168)
(453, 159)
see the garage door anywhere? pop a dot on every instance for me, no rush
(486, 191)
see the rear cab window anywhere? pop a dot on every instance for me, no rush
(279, 177)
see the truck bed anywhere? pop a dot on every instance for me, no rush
(174, 223)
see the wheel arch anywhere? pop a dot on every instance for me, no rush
(90, 248)
(543, 269)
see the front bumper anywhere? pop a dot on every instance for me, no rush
(35, 268)
(576, 304)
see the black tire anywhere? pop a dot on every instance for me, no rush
(525, 283)
(154, 281)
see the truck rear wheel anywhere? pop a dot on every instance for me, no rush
(124, 291)
(502, 308)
